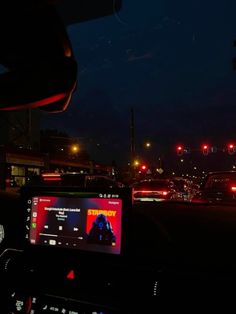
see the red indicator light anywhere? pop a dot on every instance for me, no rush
(71, 275)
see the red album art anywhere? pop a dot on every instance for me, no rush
(104, 222)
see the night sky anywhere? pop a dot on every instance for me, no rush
(169, 60)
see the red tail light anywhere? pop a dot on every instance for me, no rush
(153, 191)
(51, 177)
(233, 188)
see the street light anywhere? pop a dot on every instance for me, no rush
(148, 145)
(136, 163)
(75, 148)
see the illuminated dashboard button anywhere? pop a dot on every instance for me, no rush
(71, 275)
(52, 305)
(21, 304)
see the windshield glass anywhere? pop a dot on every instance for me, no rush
(155, 99)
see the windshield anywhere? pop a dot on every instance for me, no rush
(155, 99)
(117, 155)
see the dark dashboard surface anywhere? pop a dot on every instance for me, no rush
(175, 251)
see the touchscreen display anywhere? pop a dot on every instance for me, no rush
(92, 224)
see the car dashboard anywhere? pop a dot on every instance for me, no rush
(71, 253)
(159, 254)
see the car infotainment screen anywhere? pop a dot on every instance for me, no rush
(85, 223)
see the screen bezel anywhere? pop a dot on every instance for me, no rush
(72, 192)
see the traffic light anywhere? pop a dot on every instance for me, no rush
(143, 167)
(205, 149)
(180, 150)
(231, 149)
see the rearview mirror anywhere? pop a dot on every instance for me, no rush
(39, 85)
(36, 51)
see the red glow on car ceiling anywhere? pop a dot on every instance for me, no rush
(39, 103)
